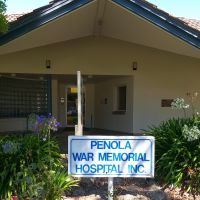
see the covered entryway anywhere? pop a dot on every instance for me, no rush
(107, 101)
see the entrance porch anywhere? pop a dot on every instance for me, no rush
(107, 101)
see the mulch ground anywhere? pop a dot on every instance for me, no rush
(126, 189)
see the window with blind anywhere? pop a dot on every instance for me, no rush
(21, 96)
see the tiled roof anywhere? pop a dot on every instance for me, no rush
(194, 23)
(17, 17)
(187, 30)
(14, 17)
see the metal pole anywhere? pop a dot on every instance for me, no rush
(79, 96)
(79, 127)
(110, 188)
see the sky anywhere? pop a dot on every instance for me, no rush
(180, 8)
(21, 6)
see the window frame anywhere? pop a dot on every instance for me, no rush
(21, 96)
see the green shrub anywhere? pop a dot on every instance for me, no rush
(177, 155)
(31, 167)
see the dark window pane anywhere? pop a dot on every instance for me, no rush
(122, 98)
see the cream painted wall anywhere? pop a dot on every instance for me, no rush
(160, 74)
(165, 76)
(90, 55)
(104, 118)
(13, 124)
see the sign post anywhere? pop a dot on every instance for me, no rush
(111, 156)
(110, 188)
(79, 126)
(108, 156)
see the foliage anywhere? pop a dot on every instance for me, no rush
(177, 153)
(42, 125)
(179, 103)
(58, 184)
(31, 167)
(3, 21)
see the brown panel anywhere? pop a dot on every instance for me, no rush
(166, 102)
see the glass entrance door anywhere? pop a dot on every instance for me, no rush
(72, 112)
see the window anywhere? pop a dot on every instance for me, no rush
(121, 98)
(21, 96)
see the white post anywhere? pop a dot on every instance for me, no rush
(110, 188)
(79, 127)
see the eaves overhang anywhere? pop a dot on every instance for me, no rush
(141, 8)
(163, 20)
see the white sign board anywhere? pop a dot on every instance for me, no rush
(111, 156)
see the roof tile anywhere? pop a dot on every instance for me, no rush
(194, 23)
(14, 17)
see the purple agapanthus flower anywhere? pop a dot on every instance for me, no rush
(43, 125)
(10, 147)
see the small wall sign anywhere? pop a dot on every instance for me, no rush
(166, 102)
(110, 156)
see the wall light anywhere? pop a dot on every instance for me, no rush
(48, 64)
(134, 66)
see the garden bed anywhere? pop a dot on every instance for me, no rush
(126, 189)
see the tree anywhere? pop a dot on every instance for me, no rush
(3, 21)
